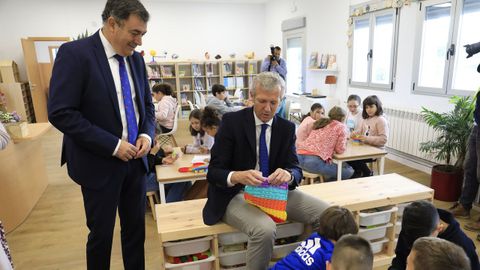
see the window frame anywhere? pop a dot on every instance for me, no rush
(454, 30)
(372, 23)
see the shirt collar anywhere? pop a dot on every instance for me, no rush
(109, 51)
(259, 122)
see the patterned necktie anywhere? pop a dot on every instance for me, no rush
(263, 152)
(127, 101)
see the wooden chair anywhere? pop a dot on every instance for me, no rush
(309, 178)
(164, 138)
(152, 197)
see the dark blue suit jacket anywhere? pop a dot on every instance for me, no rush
(83, 104)
(235, 150)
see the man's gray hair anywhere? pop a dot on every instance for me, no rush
(268, 81)
(120, 10)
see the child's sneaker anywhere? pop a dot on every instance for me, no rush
(459, 211)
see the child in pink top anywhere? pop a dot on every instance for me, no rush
(166, 107)
(373, 131)
(327, 137)
(316, 112)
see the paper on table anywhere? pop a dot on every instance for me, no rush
(200, 158)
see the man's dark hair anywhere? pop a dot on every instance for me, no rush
(352, 252)
(335, 222)
(120, 10)
(164, 88)
(278, 48)
(218, 88)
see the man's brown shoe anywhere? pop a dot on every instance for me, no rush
(472, 226)
(459, 211)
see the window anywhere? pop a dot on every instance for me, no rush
(440, 63)
(372, 54)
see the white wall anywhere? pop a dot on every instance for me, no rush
(327, 33)
(187, 29)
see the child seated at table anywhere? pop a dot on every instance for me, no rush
(351, 252)
(327, 137)
(316, 250)
(166, 107)
(354, 113)
(373, 131)
(202, 142)
(316, 112)
(157, 156)
(421, 219)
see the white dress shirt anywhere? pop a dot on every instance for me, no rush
(115, 68)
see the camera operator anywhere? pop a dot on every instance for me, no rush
(274, 63)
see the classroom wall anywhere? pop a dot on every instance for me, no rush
(185, 28)
(327, 33)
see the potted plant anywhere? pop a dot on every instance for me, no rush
(450, 146)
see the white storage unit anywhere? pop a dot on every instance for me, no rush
(377, 246)
(188, 247)
(229, 259)
(232, 238)
(374, 233)
(401, 208)
(206, 264)
(289, 229)
(280, 251)
(398, 228)
(376, 218)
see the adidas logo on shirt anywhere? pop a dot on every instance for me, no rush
(307, 248)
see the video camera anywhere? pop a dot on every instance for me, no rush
(471, 50)
(272, 51)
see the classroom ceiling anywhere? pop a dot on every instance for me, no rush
(220, 1)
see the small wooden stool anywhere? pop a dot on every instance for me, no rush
(309, 178)
(152, 199)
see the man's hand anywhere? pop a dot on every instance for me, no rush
(143, 146)
(279, 176)
(274, 63)
(126, 151)
(250, 177)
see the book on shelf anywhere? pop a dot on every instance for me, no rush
(229, 82)
(166, 71)
(252, 68)
(240, 70)
(227, 68)
(209, 84)
(323, 61)
(197, 71)
(313, 60)
(332, 61)
(239, 82)
(198, 84)
(209, 69)
(184, 99)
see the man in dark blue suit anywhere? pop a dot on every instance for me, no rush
(236, 161)
(100, 99)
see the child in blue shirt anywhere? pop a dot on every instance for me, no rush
(315, 251)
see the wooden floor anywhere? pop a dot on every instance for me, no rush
(54, 235)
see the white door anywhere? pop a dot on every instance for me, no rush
(294, 54)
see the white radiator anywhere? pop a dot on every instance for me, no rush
(407, 131)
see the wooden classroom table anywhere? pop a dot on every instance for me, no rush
(361, 151)
(167, 174)
(23, 176)
(182, 220)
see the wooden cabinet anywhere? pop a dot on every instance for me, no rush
(19, 99)
(188, 77)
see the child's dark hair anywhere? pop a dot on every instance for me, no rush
(419, 219)
(217, 88)
(372, 100)
(356, 98)
(197, 114)
(164, 88)
(315, 106)
(335, 222)
(335, 113)
(209, 118)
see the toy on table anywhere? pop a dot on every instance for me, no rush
(198, 167)
(270, 199)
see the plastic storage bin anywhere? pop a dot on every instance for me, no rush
(235, 268)
(401, 208)
(232, 238)
(289, 229)
(398, 227)
(374, 233)
(280, 251)
(233, 258)
(206, 264)
(188, 247)
(377, 246)
(376, 218)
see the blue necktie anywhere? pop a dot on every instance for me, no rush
(263, 152)
(127, 101)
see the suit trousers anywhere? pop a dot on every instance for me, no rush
(125, 190)
(261, 229)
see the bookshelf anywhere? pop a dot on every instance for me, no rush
(187, 77)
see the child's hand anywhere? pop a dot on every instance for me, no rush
(184, 149)
(168, 160)
(361, 138)
(203, 150)
(167, 149)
